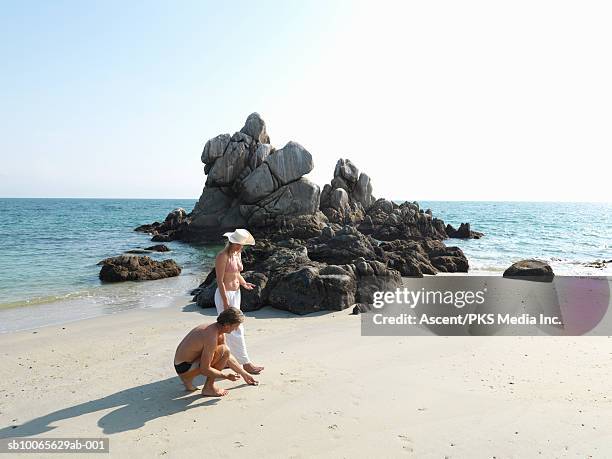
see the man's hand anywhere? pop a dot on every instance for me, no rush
(232, 376)
(249, 379)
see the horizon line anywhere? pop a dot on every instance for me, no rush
(393, 200)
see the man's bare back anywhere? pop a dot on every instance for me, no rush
(190, 348)
(203, 351)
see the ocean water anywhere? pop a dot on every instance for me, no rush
(565, 234)
(51, 247)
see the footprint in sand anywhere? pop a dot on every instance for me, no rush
(406, 443)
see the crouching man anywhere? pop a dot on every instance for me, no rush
(203, 352)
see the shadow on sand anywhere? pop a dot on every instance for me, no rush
(138, 405)
(134, 408)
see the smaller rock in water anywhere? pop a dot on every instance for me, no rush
(158, 248)
(463, 232)
(533, 270)
(135, 268)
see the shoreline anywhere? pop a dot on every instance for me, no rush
(27, 318)
(122, 298)
(112, 377)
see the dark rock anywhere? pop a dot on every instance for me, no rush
(599, 264)
(348, 196)
(534, 270)
(387, 221)
(360, 308)
(134, 268)
(286, 278)
(255, 127)
(345, 246)
(372, 276)
(164, 232)
(305, 290)
(429, 256)
(158, 248)
(464, 232)
(161, 238)
(153, 248)
(137, 251)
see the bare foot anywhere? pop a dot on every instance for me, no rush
(214, 392)
(188, 385)
(253, 369)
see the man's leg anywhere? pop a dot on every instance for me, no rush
(187, 378)
(220, 358)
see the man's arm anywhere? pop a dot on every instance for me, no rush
(234, 365)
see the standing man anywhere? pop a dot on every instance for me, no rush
(228, 265)
(203, 351)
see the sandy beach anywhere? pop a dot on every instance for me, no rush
(326, 391)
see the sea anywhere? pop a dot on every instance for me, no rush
(51, 247)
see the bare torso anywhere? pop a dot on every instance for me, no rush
(231, 280)
(190, 348)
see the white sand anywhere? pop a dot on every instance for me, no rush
(326, 391)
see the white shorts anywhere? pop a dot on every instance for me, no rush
(233, 298)
(234, 340)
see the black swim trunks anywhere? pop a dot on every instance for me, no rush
(184, 367)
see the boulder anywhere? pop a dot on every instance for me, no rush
(158, 248)
(257, 185)
(215, 148)
(360, 308)
(362, 192)
(345, 199)
(289, 163)
(534, 270)
(346, 246)
(255, 127)
(227, 168)
(135, 268)
(463, 232)
(163, 232)
(300, 197)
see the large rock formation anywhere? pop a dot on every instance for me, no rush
(251, 184)
(315, 250)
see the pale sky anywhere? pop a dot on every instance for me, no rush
(433, 100)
